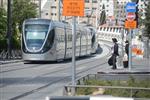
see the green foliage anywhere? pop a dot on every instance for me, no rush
(21, 10)
(3, 25)
(147, 21)
(118, 92)
(135, 1)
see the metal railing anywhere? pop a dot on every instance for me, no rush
(130, 91)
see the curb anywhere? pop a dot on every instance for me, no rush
(11, 61)
(123, 72)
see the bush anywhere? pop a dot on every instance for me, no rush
(118, 92)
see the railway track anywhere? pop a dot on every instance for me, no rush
(83, 66)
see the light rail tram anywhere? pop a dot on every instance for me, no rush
(48, 40)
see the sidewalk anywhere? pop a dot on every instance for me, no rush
(139, 65)
(6, 61)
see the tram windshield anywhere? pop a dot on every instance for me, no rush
(35, 35)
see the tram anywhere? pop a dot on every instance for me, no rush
(48, 40)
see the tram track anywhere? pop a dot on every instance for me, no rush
(82, 64)
(53, 82)
(79, 74)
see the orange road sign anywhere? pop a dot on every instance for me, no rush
(73, 8)
(130, 24)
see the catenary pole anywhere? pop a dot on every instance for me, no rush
(130, 50)
(59, 10)
(39, 8)
(73, 54)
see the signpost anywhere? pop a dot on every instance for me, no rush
(73, 8)
(130, 24)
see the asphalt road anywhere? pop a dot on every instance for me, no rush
(35, 81)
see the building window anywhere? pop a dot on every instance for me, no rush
(94, 1)
(86, 1)
(53, 6)
(93, 8)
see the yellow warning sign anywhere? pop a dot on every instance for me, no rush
(73, 8)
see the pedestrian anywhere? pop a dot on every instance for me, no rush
(127, 47)
(126, 55)
(114, 52)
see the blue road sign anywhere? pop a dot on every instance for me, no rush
(130, 7)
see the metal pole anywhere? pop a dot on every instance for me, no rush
(130, 50)
(122, 46)
(59, 10)
(96, 18)
(39, 8)
(73, 54)
(9, 23)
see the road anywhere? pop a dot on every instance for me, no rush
(35, 81)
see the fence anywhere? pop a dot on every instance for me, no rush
(97, 90)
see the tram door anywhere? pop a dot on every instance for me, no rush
(60, 45)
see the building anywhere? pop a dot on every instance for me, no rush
(119, 11)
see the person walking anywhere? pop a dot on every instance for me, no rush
(127, 47)
(126, 55)
(114, 52)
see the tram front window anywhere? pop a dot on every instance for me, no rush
(35, 36)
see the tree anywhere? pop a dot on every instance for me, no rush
(3, 25)
(103, 16)
(147, 21)
(146, 33)
(136, 1)
(21, 10)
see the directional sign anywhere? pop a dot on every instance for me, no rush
(130, 7)
(130, 24)
(73, 7)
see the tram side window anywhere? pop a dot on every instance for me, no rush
(60, 35)
(50, 39)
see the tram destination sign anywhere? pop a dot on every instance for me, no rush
(130, 7)
(73, 7)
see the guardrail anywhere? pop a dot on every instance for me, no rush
(131, 92)
(87, 98)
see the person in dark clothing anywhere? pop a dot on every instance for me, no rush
(127, 47)
(115, 52)
(125, 62)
